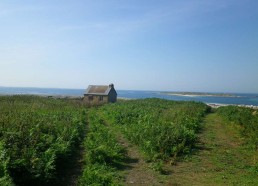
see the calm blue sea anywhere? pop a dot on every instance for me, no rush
(239, 99)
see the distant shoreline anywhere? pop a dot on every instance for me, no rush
(196, 94)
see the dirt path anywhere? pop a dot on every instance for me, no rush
(138, 171)
(219, 160)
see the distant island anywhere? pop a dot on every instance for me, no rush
(193, 94)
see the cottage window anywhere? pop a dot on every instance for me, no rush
(100, 98)
(90, 97)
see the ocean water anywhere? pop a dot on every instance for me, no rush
(239, 99)
(41, 91)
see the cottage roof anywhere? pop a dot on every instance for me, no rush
(98, 89)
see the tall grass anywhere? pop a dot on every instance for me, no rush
(35, 133)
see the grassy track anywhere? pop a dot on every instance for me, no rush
(110, 158)
(220, 160)
(134, 170)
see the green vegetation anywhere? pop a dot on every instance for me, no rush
(36, 134)
(220, 159)
(161, 128)
(39, 135)
(103, 154)
(246, 119)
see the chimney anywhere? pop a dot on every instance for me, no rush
(111, 85)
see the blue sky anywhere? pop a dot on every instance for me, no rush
(177, 45)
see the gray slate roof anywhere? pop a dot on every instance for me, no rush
(98, 90)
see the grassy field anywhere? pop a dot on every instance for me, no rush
(47, 141)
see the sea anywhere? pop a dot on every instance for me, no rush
(234, 99)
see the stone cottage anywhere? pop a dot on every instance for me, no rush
(99, 94)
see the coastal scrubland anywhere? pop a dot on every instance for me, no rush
(50, 141)
(36, 135)
(162, 130)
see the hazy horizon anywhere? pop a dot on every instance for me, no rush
(195, 46)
